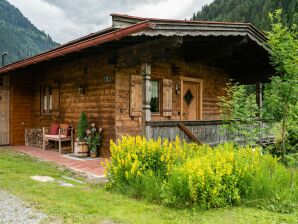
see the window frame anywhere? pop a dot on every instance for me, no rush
(45, 90)
(159, 97)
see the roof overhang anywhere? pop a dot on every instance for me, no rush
(130, 28)
(166, 27)
(78, 45)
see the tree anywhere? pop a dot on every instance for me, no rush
(82, 126)
(281, 95)
(239, 109)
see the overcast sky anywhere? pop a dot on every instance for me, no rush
(66, 20)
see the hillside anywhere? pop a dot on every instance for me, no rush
(18, 36)
(253, 11)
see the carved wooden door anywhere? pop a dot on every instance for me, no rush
(190, 100)
(4, 116)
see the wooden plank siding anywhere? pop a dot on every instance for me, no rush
(21, 106)
(214, 83)
(98, 101)
(106, 101)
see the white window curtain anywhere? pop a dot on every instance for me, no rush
(155, 89)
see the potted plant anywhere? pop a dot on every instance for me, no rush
(93, 140)
(81, 147)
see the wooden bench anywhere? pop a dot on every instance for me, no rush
(64, 135)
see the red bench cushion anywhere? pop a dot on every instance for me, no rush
(54, 129)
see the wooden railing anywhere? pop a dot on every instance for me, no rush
(211, 132)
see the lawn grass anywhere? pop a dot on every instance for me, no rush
(87, 203)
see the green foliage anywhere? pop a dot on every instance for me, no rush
(18, 36)
(90, 203)
(283, 45)
(93, 138)
(188, 175)
(239, 106)
(82, 126)
(281, 96)
(252, 11)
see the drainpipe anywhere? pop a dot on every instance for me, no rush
(2, 64)
(3, 58)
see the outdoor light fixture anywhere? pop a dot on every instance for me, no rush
(177, 89)
(81, 89)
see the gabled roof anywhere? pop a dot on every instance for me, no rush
(125, 25)
(170, 27)
(88, 41)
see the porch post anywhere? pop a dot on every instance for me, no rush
(259, 99)
(146, 73)
(259, 94)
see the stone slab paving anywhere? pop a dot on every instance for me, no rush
(91, 167)
(14, 211)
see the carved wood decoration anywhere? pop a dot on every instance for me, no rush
(206, 132)
(135, 102)
(167, 98)
(191, 98)
(146, 73)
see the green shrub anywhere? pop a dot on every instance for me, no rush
(184, 175)
(82, 126)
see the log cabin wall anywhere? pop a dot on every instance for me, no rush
(21, 106)
(107, 94)
(214, 82)
(97, 77)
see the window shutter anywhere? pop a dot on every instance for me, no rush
(167, 97)
(135, 103)
(37, 101)
(56, 99)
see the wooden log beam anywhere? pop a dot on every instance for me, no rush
(259, 94)
(147, 51)
(189, 133)
(146, 73)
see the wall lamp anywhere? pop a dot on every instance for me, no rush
(177, 88)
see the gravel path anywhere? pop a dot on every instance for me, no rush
(13, 210)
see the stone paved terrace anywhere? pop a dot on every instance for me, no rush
(91, 167)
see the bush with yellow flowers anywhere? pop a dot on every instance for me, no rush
(135, 156)
(185, 174)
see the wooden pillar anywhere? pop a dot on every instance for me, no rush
(146, 73)
(259, 94)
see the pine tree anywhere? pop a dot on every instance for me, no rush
(82, 126)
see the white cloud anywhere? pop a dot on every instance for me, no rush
(69, 19)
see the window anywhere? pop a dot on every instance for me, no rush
(46, 99)
(155, 96)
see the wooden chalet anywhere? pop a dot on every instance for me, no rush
(142, 76)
